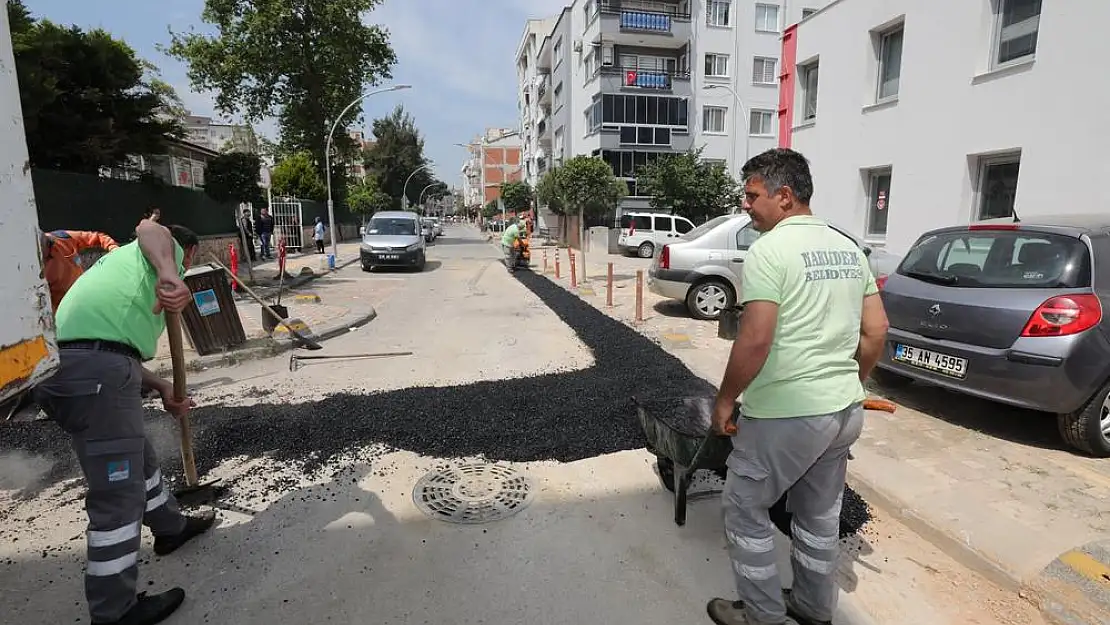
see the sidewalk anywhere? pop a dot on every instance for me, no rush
(300, 268)
(992, 487)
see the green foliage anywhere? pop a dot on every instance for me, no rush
(517, 196)
(548, 193)
(88, 101)
(302, 61)
(584, 184)
(689, 186)
(366, 198)
(296, 176)
(397, 152)
(491, 210)
(233, 177)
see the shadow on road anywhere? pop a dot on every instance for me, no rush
(671, 308)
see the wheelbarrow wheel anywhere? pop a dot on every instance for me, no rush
(665, 467)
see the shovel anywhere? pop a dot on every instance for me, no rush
(300, 340)
(194, 491)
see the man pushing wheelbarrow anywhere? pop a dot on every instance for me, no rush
(812, 329)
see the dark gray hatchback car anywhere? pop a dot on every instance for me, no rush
(1011, 312)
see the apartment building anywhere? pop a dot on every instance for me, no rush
(495, 158)
(356, 170)
(920, 115)
(205, 132)
(628, 80)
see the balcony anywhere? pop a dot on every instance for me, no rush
(645, 23)
(543, 130)
(543, 90)
(615, 78)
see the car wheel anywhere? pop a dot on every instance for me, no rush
(1088, 429)
(420, 263)
(646, 250)
(707, 299)
(889, 379)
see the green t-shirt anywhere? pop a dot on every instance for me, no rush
(510, 234)
(819, 278)
(114, 300)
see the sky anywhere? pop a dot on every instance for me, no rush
(458, 55)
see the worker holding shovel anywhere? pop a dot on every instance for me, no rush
(107, 324)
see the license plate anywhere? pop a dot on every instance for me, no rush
(951, 366)
(388, 256)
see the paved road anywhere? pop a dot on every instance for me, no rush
(597, 544)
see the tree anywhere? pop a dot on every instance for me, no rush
(297, 177)
(517, 196)
(689, 186)
(398, 151)
(586, 185)
(548, 192)
(366, 198)
(491, 210)
(233, 177)
(302, 61)
(88, 101)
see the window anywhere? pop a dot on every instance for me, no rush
(762, 124)
(557, 51)
(591, 63)
(559, 142)
(767, 18)
(1017, 23)
(625, 163)
(682, 226)
(664, 223)
(1000, 259)
(718, 13)
(716, 65)
(808, 74)
(745, 237)
(641, 222)
(713, 119)
(644, 135)
(890, 64)
(998, 179)
(640, 109)
(807, 12)
(763, 70)
(558, 95)
(878, 202)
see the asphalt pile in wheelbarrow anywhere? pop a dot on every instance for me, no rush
(563, 416)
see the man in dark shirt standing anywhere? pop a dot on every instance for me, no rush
(264, 226)
(246, 227)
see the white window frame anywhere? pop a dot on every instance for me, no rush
(885, 38)
(713, 11)
(557, 97)
(985, 162)
(706, 110)
(557, 52)
(873, 178)
(763, 28)
(763, 114)
(763, 60)
(804, 91)
(718, 60)
(996, 36)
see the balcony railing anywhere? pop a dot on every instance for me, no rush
(646, 78)
(649, 7)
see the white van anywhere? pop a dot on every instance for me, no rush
(643, 233)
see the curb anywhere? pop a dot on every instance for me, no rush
(267, 347)
(300, 281)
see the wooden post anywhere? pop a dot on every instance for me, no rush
(557, 276)
(609, 287)
(573, 269)
(640, 296)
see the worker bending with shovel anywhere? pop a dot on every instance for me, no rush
(813, 328)
(107, 324)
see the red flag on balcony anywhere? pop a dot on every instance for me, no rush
(629, 78)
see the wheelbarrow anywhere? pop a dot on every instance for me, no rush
(680, 435)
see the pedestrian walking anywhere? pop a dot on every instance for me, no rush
(318, 235)
(264, 226)
(812, 329)
(107, 324)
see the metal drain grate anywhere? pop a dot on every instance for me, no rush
(472, 493)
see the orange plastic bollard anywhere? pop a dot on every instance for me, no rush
(640, 296)
(557, 276)
(573, 271)
(609, 287)
(545, 260)
(234, 258)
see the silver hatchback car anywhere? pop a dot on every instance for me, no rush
(1011, 312)
(704, 267)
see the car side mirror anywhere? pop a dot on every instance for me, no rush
(866, 251)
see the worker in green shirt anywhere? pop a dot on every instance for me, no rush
(812, 329)
(107, 325)
(511, 234)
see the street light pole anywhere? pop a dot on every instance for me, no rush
(420, 199)
(747, 116)
(405, 189)
(327, 159)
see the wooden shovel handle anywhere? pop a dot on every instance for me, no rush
(180, 391)
(879, 404)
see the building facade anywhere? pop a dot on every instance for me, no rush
(628, 80)
(905, 135)
(205, 132)
(494, 158)
(356, 170)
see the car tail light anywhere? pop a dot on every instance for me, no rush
(881, 282)
(665, 257)
(1064, 315)
(993, 227)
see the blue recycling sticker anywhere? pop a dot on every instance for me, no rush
(119, 470)
(206, 301)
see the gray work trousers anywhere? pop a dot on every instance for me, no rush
(807, 458)
(95, 397)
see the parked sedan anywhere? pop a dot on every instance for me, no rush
(1011, 312)
(703, 268)
(393, 238)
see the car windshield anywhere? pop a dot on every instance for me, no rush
(391, 226)
(706, 227)
(1003, 258)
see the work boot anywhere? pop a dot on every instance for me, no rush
(194, 526)
(151, 609)
(793, 612)
(725, 612)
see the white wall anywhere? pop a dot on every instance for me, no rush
(951, 108)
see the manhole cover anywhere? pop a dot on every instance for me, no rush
(472, 493)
